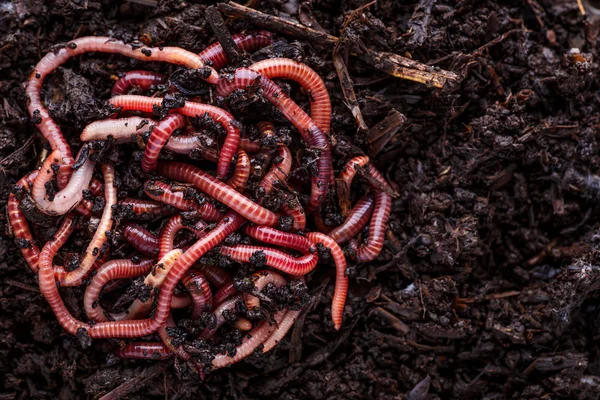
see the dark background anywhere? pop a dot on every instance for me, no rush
(488, 289)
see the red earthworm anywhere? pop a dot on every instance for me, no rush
(145, 209)
(347, 174)
(267, 130)
(216, 275)
(249, 145)
(241, 173)
(319, 223)
(355, 221)
(170, 230)
(250, 342)
(282, 329)
(185, 144)
(180, 301)
(225, 292)
(18, 223)
(377, 228)
(54, 59)
(96, 244)
(291, 207)
(163, 192)
(59, 238)
(261, 279)
(273, 258)
(145, 351)
(191, 109)
(341, 280)
(278, 171)
(143, 240)
(115, 269)
(278, 238)
(71, 195)
(310, 132)
(159, 136)
(320, 104)
(197, 285)
(144, 80)
(249, 42)
(228, 306)
(218, 190)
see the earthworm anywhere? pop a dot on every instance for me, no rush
(250, 342)
(273, 258)
(218, 190)
(225, 292)
(66, 199)
(139, 237)
(216, 275)
(96, 245)
(170, 230)
(145, 351)
(241, 172)
(279, 171)
(54, 59)
(282, 329)
(292, 208)
(242, 324)
(115, 269)
(144, 209)
(122, 130)
(158, 137)
(144, 80)
(18, 223)
(261, 279)
(191, 109)
(279, 238)
(227, 306)
(59, 238)
(249, 42)
(355, 221)
(196, 284)
(163, 192)
(377, 228)
(320, 104)
(310, 132)
(341, 280)
(381, 209)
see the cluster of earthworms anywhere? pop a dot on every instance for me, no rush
(187, 230)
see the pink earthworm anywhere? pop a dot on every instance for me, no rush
(20, 226)
(70, 196)
(144, 209)
(163, 192)
(312, 135)
(54, 59)
(219, 191)
(341, 280)
(241, 172)
(251, 341)
(196, 284)
(159, 136)
(273, 258)
(145, 351)
(191, 109)
(355, 221)
(95, 247)
(320, 103)
(278, 171)
(145, 80)
(261, 279)
(227, 306)
(170, 230)
(278, 238)
(216, 276)
(225, 292)
(139, 237)
(251, 41)
(282, 329)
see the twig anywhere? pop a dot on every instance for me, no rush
(392, 319)
(17, 153)
(419, 22)
(222, 34)
(23, 286)
(393, 64)
(135, 383)
(275, 23)
(346, 84)
(581, 7)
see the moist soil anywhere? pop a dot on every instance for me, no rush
(486, 287)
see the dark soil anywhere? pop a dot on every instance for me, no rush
(487, 287)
